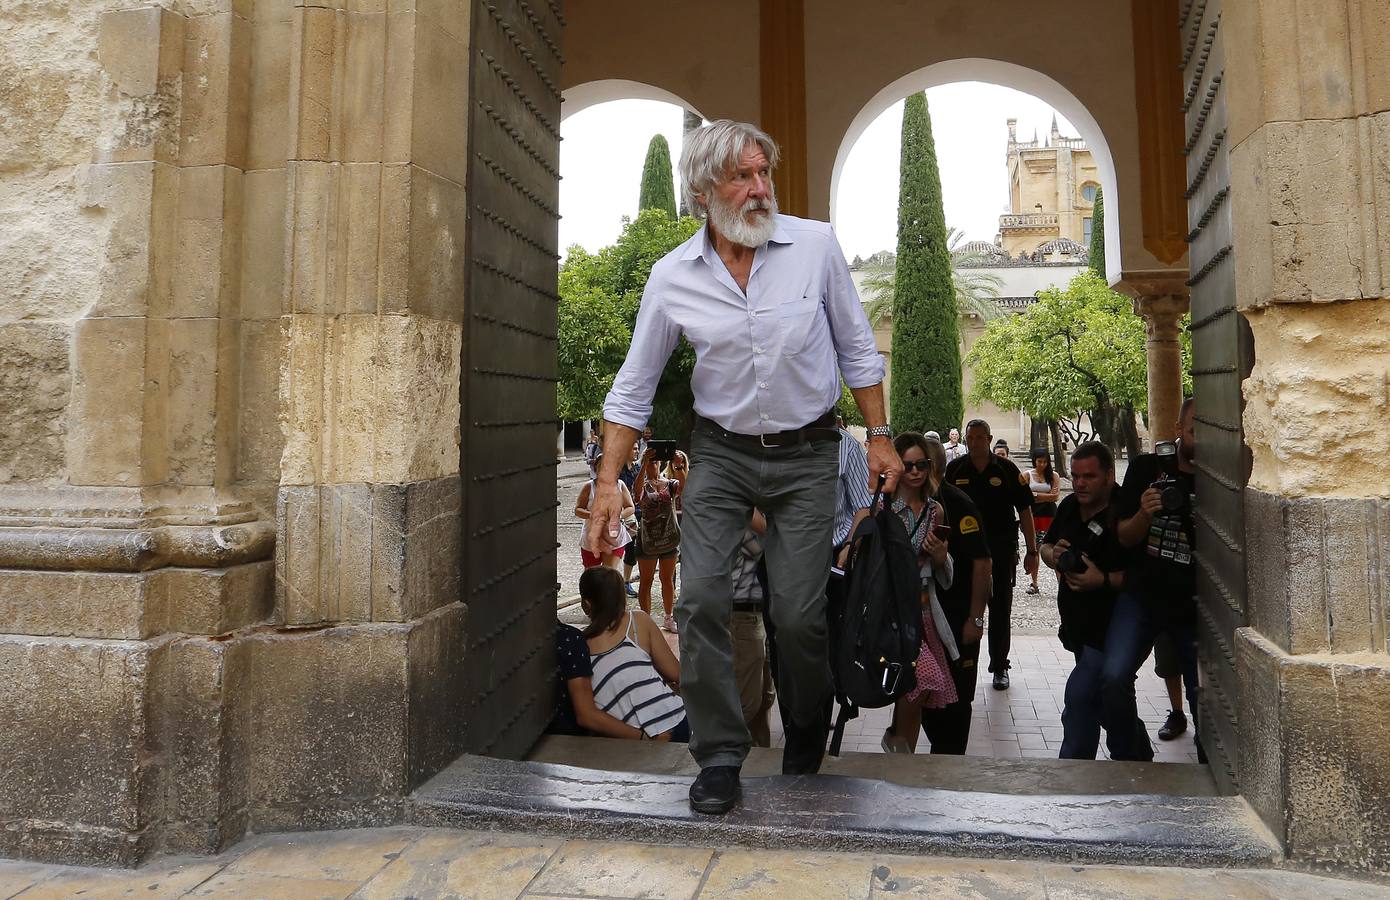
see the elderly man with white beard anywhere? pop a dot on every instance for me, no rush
(767, 302)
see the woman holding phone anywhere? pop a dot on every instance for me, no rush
(925, 520)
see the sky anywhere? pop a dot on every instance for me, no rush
(605, 145)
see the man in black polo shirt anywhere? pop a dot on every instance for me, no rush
(1160, 592)
(998, 488)
(948, 728)
(1084, 547)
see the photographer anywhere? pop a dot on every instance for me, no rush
(1156, 520)
(1082, 545)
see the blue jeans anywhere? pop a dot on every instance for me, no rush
(1081, 707)
(1133, 627)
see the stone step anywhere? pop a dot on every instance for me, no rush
(847, 813)
(1000, 776)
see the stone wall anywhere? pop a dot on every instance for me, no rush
(229, 414)
(1309, 129)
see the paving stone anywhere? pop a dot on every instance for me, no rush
(166, 878)
(937, 878)
(804, 876)
(589, 869)
(251, 886)
(449, 863)
(332, 855)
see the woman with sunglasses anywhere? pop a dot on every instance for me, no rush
(925, 520)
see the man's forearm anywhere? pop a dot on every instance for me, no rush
(870, 402)
(1030, 530)
(1132, 531)
(618, 441)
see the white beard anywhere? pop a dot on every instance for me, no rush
(733, 225)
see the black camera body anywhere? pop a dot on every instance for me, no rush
(1171, 494)
(662, 451)
(1071, 561)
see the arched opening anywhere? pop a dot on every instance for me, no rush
(1020, 78)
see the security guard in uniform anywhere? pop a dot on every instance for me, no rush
(948, 729)
(998, 488)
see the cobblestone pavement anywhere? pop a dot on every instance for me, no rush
(372, 864)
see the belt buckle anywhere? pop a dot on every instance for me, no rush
(762, 439)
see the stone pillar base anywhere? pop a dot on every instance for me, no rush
(116, 749)
(1314, 729)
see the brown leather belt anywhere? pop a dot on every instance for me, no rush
(822, 429)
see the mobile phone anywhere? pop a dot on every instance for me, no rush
(942, 532)
(663, 451)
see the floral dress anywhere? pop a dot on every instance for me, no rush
(936, 687)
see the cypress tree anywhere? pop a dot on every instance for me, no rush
(658, 184)
(689, 122)
(926, 393)
(1097, 248)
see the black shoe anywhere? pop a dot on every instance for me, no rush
(1001, 680)
(805, 749)
(1174, 725)
(715, 790)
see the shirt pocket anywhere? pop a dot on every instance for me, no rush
(798, 321)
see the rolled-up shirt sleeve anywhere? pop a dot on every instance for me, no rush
(861, 365)
(629, 402)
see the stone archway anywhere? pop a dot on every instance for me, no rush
(1029, 81)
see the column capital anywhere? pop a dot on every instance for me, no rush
(1153, 283)
(1161, 313)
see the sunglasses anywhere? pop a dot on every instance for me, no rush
(921, 465)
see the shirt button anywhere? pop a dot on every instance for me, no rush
(762, 384)
(757, 349)
(766, 416)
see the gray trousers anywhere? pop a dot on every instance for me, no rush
(795, 489)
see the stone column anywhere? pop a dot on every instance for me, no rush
(1309, 130)
(1162, 313)
(1160, 297)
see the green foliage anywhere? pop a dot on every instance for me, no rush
(848, 408)
(658, 189)
(975, 291)
(1074, 351)
(599, 296)
(1097, 248)
(926, 391)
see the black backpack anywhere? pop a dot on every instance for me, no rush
(876, 621)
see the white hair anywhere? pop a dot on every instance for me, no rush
(711, 152)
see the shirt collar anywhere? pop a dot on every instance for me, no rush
(702, 244)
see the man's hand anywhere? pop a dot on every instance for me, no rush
(1030, 562)
(1089, 579)
(884, 460)
(1151, 501)
(971, 633)
(605, 519)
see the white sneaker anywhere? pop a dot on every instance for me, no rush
(670, 624)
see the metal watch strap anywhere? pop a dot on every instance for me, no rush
(880, 431)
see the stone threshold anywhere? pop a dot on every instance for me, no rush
(847, 813)
(958, 773)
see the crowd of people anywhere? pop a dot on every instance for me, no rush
(965, 507)
(767, 499)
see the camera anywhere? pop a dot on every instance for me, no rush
(662, 451)
(1070, 561)
(1171, 494)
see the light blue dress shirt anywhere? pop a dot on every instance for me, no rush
(764, 362)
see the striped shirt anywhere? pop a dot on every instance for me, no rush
(628, 687)
(852, 493)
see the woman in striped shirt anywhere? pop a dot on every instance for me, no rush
(636, 676)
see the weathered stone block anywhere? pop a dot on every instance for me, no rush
(34, 386)
(1260, 763)
(438, 224)
(216, 90)
(263, 245)
(360, 552)
(267, 140)
(438, 692)
(206, 265)
(141, 51)
(357, 135)
(113, 406)
(193, 397)
(260, 441)
(217, 601)
(72, 721)
(316, 45)
(439, 133)
(329, 737)
(1317, 584)
(313, 211)
(1319, 368)
(119, 605)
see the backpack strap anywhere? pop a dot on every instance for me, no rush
(847, 711)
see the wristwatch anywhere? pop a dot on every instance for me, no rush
(880, 431)
(979, 621)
